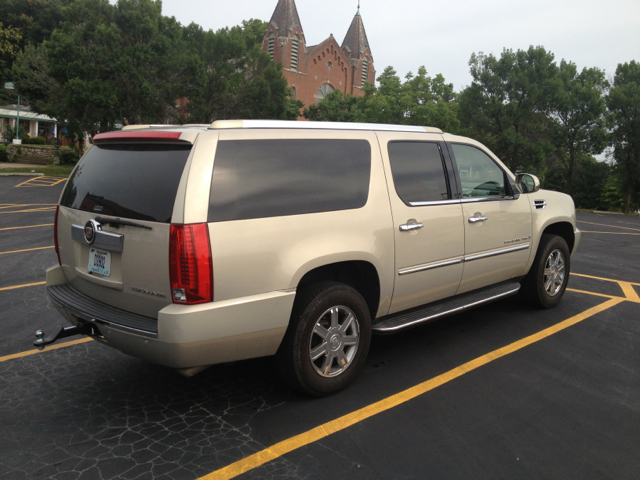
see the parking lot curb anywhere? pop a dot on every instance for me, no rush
(21, 174)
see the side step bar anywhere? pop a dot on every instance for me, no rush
(398, 321)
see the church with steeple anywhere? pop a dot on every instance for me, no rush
(314, 71)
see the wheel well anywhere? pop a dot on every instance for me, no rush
(359, 275)
(564, 230)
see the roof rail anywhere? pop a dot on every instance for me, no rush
(189, 125)
(228, 124)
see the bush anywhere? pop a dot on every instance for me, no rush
(35, 141)
(68, 157)
(4, 156)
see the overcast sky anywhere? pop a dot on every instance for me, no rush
(406, 34)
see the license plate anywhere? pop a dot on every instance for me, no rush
(99, 261)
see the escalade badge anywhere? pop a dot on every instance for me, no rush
(147, 292)
(90, 229)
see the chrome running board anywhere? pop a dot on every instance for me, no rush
(433, 311)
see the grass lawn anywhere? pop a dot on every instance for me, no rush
(48, 170)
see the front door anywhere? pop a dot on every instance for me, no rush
(429, 232)
(497, 223)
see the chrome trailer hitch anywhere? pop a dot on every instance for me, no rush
(63, 332)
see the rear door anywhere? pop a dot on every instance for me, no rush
(428, 228)
(114, 221)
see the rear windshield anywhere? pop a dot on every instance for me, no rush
(139, 182)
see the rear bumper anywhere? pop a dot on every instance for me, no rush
(183, 336)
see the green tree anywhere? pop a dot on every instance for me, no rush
(232, 78)
(420, 100)
(10, 39)
(507, 104)
(106, 64)
(623, 103)
(337, 107)
(578, 116)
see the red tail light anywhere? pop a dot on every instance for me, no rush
(55, 234)
(190, 264)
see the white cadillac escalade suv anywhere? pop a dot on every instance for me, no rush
(200, 244)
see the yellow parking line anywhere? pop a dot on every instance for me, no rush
(22, 286)
(41, 209)
(28, 226)
(605, 225)
(611, 233)
(42, 182)
(604, 279)
(279, 449)
(27, 250)
(594, 293)
(629, 292)
(12, 205)
(53, 347)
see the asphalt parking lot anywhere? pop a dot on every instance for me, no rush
(502, 391)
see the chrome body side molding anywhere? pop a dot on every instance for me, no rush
(422, 268)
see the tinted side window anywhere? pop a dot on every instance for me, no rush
(271, 178)
(479, 174)
(418, 171)
(129, 181)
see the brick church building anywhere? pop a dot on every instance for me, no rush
(314, 71)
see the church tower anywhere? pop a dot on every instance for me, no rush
(314, 71)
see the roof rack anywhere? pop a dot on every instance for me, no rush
(229, 124)
(188, 125)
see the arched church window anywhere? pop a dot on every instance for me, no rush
(292, 93)
(365, 70)
(272, 44)
(295, 50)
(323, 91)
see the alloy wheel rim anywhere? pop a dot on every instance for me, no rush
(334, 341)
(554, 273)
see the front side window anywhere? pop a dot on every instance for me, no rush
(418, 172)
(272, 178)
(479, 174)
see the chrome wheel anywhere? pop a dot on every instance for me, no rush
(334, 341)
(554, 273)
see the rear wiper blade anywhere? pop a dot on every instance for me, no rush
(117, 222)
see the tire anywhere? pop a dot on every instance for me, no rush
(546, 282)
(330, 323)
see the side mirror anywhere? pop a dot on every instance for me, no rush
(527, 183)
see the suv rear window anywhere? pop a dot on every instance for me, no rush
(134, 181)
(272, 178)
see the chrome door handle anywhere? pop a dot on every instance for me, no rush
(411, 225)
(478, 217)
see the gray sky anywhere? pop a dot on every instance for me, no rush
(442, 35)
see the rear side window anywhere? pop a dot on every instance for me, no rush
(138, 182)
(418, 172)
(271, 178)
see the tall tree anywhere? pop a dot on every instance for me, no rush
(10, 39)
(578, 116)
(108, 63)
(419, 100)
(623, 103)
(507, 104)
(233, 78)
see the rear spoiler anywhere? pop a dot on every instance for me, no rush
(142, 136)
